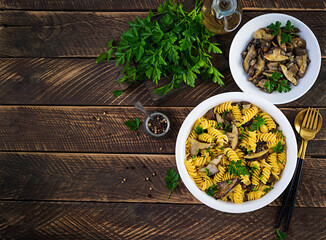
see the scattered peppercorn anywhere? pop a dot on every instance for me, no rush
(98, 119)
(150, 189)
(157, 125)
(154, 174)
(149, 195)
(147, 179)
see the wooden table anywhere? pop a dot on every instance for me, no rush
(65, 150)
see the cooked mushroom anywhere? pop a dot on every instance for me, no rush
(195, 146)
(282, 45)
(262, 34)
(210, 115)
(257, 156)
(277, 55)
(273, 66)
(246, 105)
(262, 82)
(303, 63)
(259, 67)
(225, 187)
(212, 166)
(219, 118)
(235, 138)
(300, 51)
(298, 43)
(289, 75)
(250, 55)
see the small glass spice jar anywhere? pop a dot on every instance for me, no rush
(159, 126)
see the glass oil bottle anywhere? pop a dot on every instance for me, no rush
(221, 16)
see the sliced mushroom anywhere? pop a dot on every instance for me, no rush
(250, 56)
(259, 67)
(217, 159)
(282, 45)
(210, 114)
(195, 146)
(273, 66)
(262, 82)
(257, 156)
(289, 75)
(219, 118)
(262, 34)
(246, 105)
(303, 63)
(244, 54)
(212, 166)
(300, 51)
(235, 137)
(298, 43)
(276, 56)
(225, 188)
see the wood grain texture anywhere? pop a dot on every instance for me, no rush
(39, 220)
(88, 129)
(99, 177)
(49, 34)
(75, 81)
(115, 5)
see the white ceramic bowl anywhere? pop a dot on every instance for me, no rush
(284, 125)
(243, 37)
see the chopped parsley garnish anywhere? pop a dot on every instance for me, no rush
(117, 93)
(268, 189)
(230, 182)
(254, 189)
(208, 173)
(273, 82)
(199, 130)
(257, 123)
(275, 28)
(211, 190)
(237, 169)
(278, 148)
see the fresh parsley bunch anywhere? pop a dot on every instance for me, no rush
(276, 82)
(171, 43)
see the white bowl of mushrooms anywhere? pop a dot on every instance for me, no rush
(275, 56)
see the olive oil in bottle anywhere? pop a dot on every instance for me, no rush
(220, 16)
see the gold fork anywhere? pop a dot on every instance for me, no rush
(310, 125)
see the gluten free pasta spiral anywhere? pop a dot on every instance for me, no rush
(235, 159)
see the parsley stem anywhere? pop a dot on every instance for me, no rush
(169, 194)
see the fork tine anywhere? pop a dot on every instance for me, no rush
(312, 120)
(305, 118)
(316, 120)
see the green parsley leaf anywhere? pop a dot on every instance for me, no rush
(208, 173)
(280, 235)
(199, 130)
(275, 28)
(253, 168)
(257, 123)
(286, 35)
(254, 189)
(236, 168)
(133, 125)
(117, 93)
(171, 180)
(272, 81)
(211, 190)
(278, 148)
(230, 181)
(283, 86)
(268, 189)
(207, 150)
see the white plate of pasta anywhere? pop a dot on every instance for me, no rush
(236, 152)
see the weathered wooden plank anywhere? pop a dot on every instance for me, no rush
(79, 81)
(147, 4)
(76, 34)
(100, 177)
(97, 129)
(39, 220)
